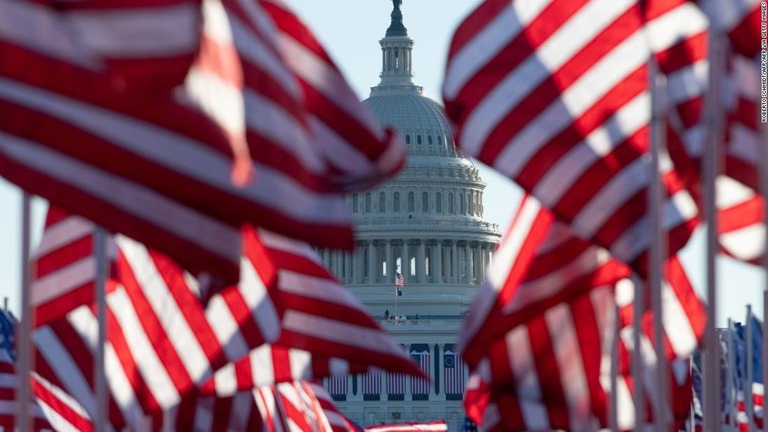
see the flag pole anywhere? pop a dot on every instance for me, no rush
(657, 250)
(710, 161)
(729, 388)
(613, 408)
(24, 354)
(100, 379)
(749, 355)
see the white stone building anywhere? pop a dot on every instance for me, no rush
(426, 225)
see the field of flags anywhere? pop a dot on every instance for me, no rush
(196, 152)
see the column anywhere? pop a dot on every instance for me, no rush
(420, 262)
(467, 263)
(441, 368)
(478, 265)
(406, 267)
(390, 277)
(455, 263)
(482, 262)
(408, 395)
(438, 262)
(371, 262)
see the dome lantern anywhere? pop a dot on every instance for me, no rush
(396, 49)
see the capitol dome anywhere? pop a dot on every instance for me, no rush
(421, 235)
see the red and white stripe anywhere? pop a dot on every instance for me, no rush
(420, 385)
(370, 383)
(347, 134)
(454, 376)
(395, 384)
(9, 406)
(161, 344)
(434, 426)
(337, 385)
(553, 373)
(554, 95)
(65, 267)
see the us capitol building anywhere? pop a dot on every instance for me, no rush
(426, 225)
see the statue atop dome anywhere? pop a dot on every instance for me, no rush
(397, 28)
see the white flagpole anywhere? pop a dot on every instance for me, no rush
(749, 354)
(613, 408)
(658, 246)
(24, 354)
(100, 379)
(710, 162)
(730, 391)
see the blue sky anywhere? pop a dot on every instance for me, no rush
(350, 30)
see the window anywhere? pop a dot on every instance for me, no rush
(470, 203)
(382, 202)
(461, 203)
(411, 202)
(439, 202)
(450, 202)
(429, 139)
(367, 202)
(407, 139)
(396, 202)
(418, 139)
(440, 140)
(425, 202)
(355, 199)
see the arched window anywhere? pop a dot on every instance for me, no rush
(425, 202)
(407, 139)
(429, 139)
(411, 202)
(470, 204)
(355, 199)
(382, 202)
(450, 202)
(461, 203)
(367, 202)
(396, 202)
(418, 139)
(439, 202)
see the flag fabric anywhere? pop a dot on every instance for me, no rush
(454, 371)
(162, 344)
(337, 385)
(563, 108)
(65, 266)
(435, 426)
(542, 278)
(399, 283)
(76, 151)
(298, 187)
(371, 383)
(421, 356)
(9, 406)
(553, 372)
(395, 384)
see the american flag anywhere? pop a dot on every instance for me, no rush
(399, 280)
(434, 426)
(395, 384)
(337, 385)
(421, 356)
(9, 406)
(454, 371)
(371, 383)
(555, 95)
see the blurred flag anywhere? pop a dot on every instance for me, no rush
(419, 385)
(454, 372)
(435, 426)
(9, 406)
(555, 95)
(399, 283)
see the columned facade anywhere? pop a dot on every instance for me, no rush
(426, 225)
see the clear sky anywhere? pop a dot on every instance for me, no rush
(350, 31)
